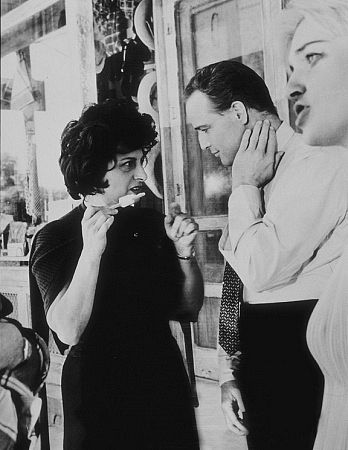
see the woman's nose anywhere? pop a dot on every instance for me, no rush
(295, 87)
(140, 173)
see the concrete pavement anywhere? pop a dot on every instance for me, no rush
(210, 421)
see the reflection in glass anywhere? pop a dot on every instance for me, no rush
(206, 328)
(217, 184)
(224, 30)
(210, 259)
(37, 100)
(9, 5)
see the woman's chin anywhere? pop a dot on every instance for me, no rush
(312, 137)
(322, 139)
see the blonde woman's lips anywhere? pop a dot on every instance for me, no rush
(302, 114)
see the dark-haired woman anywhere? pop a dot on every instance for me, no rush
(110, 279)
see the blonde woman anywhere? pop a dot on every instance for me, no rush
(316, 36)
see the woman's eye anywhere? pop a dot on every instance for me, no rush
(128, 165)
(312, 57)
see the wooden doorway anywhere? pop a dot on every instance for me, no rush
(207, 32)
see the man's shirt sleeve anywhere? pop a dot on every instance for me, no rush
(308, 202)
(227, 365)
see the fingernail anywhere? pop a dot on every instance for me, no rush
(266, 122)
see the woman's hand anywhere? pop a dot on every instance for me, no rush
(181, 229)
(95, 224)
(257, 159)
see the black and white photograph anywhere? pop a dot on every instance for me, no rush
(174, 225)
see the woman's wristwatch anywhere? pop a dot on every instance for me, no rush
(187, 258)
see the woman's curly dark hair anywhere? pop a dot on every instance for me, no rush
(89, 144)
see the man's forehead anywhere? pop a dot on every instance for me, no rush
(198, 108)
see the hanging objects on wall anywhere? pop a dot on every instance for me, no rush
(123, 35)
(119, 54)
(143, 23)
(110, 25)
(147, 95)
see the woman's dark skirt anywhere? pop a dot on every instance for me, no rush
(135, 400)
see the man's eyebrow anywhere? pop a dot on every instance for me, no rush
(200, 127)
(299, 50)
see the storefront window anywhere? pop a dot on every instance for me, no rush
(51, 68)
(37, 100)
(219, 31)
(9, 5)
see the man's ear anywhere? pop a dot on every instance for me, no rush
(240, 112)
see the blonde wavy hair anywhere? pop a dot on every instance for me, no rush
(332, 15)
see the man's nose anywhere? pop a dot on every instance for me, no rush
(295, 86)
(203, 141)
(140, 173)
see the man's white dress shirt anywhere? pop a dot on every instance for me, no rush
(285, 240)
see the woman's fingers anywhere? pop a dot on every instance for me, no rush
(179, 225)
(107, 224)
(191, 227)
(183, 226)
(175, 225)
(93, 214)
(95, 221)
(101, 220)
(89, 213)
(187, 226)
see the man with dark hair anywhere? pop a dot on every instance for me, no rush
(282, 244)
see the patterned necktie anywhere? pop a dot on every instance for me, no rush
(232, 289)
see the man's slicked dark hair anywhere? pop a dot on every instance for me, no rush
(89, 144)
(228, 81)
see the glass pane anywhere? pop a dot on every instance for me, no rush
(206, 328)
(38, 98)
(8, 5)
(228, 30)
(210, 259)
